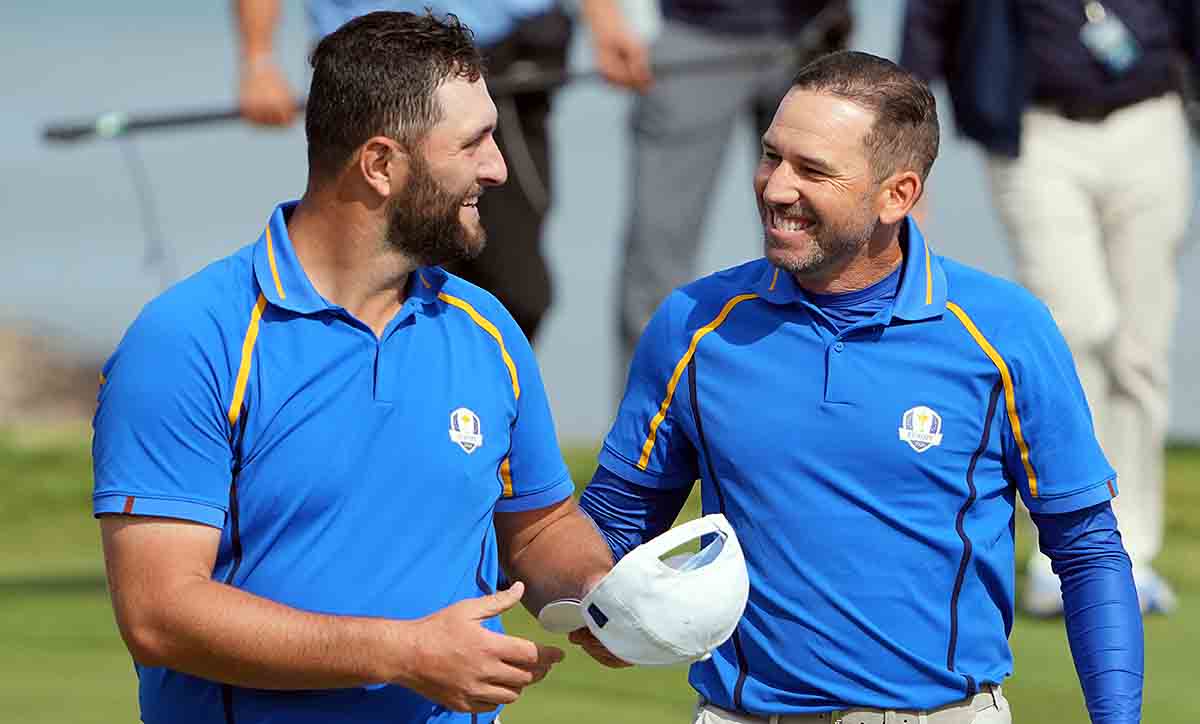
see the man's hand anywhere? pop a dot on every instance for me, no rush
(584, 639)
(621, 56)
(264, 96)
(465, 667)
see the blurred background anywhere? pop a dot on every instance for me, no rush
(75, 272)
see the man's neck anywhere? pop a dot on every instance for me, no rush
(877, 259)
(342, 250)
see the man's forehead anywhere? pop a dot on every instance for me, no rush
(807, 114)
(467, 106)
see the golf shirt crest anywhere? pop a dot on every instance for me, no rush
(870, 475)
(349, 474)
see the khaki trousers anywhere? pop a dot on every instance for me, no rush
(986, 707)
(1095, 212)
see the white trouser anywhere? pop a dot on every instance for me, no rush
(1096, 212)
(986, 707)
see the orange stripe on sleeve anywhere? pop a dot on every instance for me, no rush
(1010, 396)
(648, 447)
(128, 505)
(506, 477)
(239, 388)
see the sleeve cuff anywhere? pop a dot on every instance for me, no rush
(117, 503)
(543, 498)
(623, 468)
(1095, 494)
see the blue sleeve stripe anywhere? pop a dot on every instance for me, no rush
(490, 329)
(1010, 396)
(648, 446)
(239, 389)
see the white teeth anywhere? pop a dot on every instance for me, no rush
(789, 223)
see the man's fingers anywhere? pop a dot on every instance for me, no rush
(584, 639)
(637, 61)
(489, 696)
(499, 602)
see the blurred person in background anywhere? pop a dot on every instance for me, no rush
(1077, 105)
(514, 36)
(681, 122)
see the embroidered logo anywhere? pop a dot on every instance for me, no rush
(465, 429)
(921, 428)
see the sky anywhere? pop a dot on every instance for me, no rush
(71, 254)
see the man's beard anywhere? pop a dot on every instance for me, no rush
(832, 244)
(424, 222)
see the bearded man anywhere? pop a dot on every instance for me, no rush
(313, 458)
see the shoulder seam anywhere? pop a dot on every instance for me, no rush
(1010, 396)
(656, 421)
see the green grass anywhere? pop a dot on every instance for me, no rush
(62, 660)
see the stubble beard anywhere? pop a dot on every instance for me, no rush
(831, 247)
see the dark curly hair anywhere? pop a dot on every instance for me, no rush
(376, 76)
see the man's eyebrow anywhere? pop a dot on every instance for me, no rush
(813, 162)
(481, 134)
(809, 161)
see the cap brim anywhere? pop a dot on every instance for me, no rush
(562, 616)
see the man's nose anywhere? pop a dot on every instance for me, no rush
(493, 171)
(781, 188)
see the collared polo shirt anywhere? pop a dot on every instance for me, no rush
(490, 20)
(349, 474)
(870, 474)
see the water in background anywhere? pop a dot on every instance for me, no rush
(73, 245)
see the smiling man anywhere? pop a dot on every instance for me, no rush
(864, 412)
(313, 458)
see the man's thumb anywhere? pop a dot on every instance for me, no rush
(500, 601)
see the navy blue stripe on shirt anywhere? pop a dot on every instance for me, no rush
(962, 534)
(743, 668)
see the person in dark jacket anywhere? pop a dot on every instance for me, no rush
(1077, 104)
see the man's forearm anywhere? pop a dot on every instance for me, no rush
(256, 23)
(224, 634)
(563, 559)
(1104, 625)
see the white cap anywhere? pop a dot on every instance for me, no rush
(656, 613)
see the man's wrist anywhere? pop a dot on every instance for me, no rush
(257, 61)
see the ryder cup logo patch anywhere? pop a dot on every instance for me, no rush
(465, 429)
(921, 428)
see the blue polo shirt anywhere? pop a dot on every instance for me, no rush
(490, 20)
(870, 473)
(349, 474)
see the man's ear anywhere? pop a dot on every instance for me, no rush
(383, 165)
(898, 195)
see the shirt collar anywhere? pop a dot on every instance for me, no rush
(285, 284)
(922, 291)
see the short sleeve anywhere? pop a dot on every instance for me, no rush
(1050, 444)
(161, 443)
(537, 476)
(648, 443)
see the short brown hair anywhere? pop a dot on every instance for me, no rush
(376, 76)
(905, 132)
